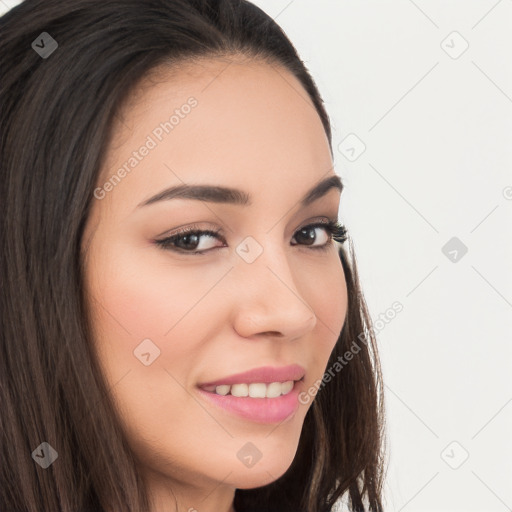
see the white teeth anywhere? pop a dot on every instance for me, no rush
(287, 387)
(240, 390)
(274, 390)
(256, 389)
(223, 389)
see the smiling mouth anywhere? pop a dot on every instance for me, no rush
(253, 389)
(257, 402)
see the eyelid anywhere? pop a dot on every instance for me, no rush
(191, 228)
(220, 231)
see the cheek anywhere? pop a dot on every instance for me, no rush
(330, 295)
(151, 321)
(142, 307)
(333, 301)
(329, 300)
(138, 297)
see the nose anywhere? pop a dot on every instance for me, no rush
(268, 300)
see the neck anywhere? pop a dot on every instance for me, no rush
(167, 496)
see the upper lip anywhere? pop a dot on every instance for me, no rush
(264, 374)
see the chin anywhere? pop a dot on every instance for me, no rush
(267, 470)
(253, 478)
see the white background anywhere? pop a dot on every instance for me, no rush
(436, 125)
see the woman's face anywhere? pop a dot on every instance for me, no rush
(263, 294)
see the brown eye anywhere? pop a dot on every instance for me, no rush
(189, 240)
(332, 229)
(308, 235)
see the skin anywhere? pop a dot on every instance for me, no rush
(212, 315)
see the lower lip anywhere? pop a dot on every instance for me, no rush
(259, 410)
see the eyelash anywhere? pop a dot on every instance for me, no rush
(336, 231)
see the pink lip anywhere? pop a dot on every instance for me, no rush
(259, 410)
(264, 374)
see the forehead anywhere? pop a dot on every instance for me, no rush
(235, 122)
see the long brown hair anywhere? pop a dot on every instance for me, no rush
(56, 120)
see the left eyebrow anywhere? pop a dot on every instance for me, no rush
(217, 194)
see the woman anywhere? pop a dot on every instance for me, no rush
(182, 328)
